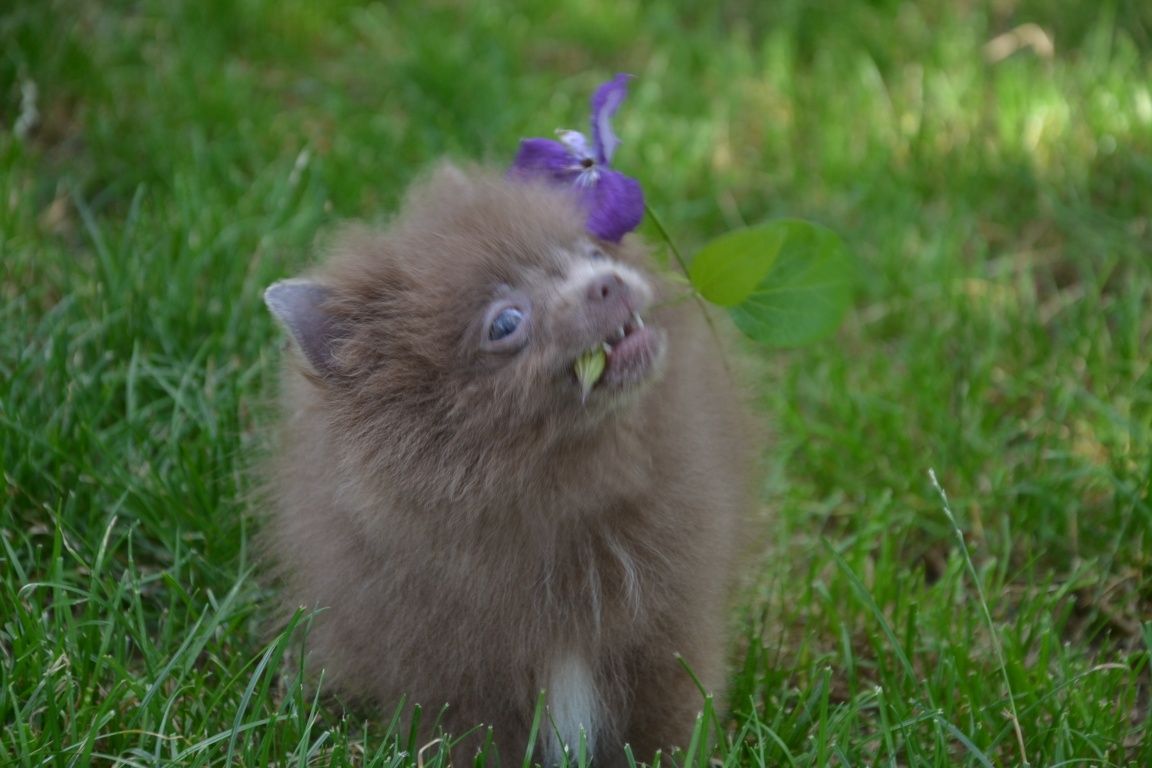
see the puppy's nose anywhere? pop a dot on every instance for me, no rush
(608, 287)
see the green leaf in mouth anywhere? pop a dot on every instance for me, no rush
(589, 368)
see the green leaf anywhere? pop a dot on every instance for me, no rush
(804, 294)
(727, 270)
(589, 368)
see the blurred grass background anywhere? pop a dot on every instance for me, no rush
(988, 162)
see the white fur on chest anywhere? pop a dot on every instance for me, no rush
(573, 707)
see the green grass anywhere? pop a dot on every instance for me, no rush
(185, 154)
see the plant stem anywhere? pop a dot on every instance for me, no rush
(700, 302)
(667, 239)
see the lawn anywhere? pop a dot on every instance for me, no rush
(989, 165)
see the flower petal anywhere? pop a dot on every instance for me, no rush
(615, 205)
(605, 102)
(545, 158)
(577, 145)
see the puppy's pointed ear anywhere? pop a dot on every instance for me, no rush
(450, 181)
(450, 174)
(299, 306)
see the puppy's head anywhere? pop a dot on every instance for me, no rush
(457, 331)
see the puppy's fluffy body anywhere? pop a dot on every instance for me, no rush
(474, 529)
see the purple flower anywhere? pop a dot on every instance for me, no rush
(614, 202)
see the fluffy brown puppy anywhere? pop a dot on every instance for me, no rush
(477, 527)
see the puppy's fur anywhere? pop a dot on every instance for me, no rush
(477, 531)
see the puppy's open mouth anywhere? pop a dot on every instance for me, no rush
(624, 357)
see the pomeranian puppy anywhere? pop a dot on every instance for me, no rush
(508, 472)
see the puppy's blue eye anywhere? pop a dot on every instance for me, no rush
(505, 323)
